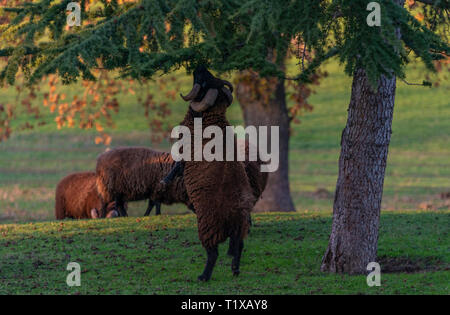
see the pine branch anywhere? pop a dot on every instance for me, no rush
(152, 37)
(6, 52)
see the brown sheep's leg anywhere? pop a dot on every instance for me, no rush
(149, 208)
(234, 244)
(235, 263)
(158, 208)
(231, 246)
(119, 207)
(176, 170)
(103, 209)
(213, 253)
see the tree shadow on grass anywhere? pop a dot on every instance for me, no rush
(411, 264)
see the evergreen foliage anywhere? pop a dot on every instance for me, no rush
(141, 39)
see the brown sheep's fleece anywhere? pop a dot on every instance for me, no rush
(134, 173)
(76, 195)
(219, 190)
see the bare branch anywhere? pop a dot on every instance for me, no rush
(419, 84)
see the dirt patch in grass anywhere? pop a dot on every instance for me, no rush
(411, 264)
(10, 215)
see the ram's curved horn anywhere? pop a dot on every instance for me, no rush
(112, 214)
(192, 94)
(206, 102)
(228, 94)
(94, 214)
(228, 84)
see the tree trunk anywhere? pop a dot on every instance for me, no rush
(263, 102)
(359, 188)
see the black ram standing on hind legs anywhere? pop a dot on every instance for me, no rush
(224, 212)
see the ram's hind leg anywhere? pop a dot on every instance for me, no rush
(158, 208)
(235, 250)
(213, 253)
(231, 246)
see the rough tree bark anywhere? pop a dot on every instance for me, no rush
(359, 188)
(364, 148)
(263, 102)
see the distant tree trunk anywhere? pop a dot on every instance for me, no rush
(263, 102)
(359, 188)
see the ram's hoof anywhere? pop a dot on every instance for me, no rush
(203, 278)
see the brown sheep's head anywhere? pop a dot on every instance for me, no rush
(209, 93)
(95, 214)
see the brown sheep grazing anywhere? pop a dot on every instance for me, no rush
(224, 212)
(76, 197)
(133, 174)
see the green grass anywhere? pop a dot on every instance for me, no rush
(162, 255)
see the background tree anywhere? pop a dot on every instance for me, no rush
(264, 103)
(382, 55)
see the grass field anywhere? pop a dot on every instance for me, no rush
(163, 255)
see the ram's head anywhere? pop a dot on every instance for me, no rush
(208, 91)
